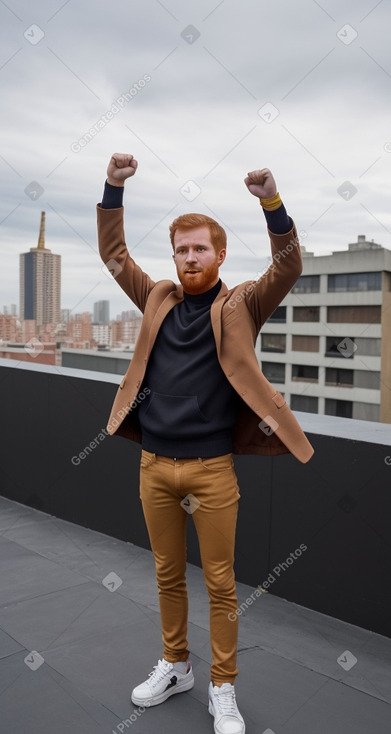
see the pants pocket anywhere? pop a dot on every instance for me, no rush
(218, 463)
(147, 458)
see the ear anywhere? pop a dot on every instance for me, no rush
(221, 256)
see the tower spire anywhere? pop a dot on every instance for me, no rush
(41, 240)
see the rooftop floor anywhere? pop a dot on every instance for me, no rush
(96, 643)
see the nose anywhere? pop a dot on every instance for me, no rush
(191, 256)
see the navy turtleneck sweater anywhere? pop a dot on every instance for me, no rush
(192, 407)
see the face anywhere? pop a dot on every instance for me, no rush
(197, 263)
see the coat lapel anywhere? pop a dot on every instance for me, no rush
(215, 315)
(169, 302)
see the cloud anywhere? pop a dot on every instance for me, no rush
(196, 119)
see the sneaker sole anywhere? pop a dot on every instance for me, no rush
(181, 687)
(212, 712)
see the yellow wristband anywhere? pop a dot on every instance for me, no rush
(273, 203)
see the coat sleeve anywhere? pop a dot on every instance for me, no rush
(115, 255)
(265, 294)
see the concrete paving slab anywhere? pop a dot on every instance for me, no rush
(8, 646)
(103, 665)
(25, 574)
(69, 544)
(300, 671)
(281, 696)
(316, 641)
(341, 710)
(41, 701)
(65, 616)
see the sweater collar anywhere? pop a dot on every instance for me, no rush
(203, 298)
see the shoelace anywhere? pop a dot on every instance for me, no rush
(226, 701)
(158, 672)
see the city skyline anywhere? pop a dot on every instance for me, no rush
(100, 309)
(7, 308)
(339, 307)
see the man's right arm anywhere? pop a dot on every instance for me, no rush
(111, 238)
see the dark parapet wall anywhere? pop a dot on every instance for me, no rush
(316, 534)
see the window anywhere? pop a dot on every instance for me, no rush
(274, 371)
(307, 284)
(273, 342)
(354, 314)
(306, 403)
(354, 282)
(338, 377)
(366, 411)
(367, 346)
(279, 315)
(306, 313)
(304, 343)
(366, 379)
(305, 372)
(340, 408)
(339, 346)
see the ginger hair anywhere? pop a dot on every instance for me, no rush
(218, 235)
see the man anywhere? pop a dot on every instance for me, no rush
(193, 395)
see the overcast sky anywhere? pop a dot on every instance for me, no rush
(302, 88)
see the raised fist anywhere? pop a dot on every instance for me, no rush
(261, 183)
(121, 167)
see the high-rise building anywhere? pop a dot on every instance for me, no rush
(327, 347)
(124, 334)
(127, 315)
(10, 329)
(40, 283)
(101, 334)
(79, 331)
(101, 312)
(10, 310)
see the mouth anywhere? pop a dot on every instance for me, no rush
(192, 271)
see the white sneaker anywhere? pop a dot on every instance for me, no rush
(162, 683)
(222, 705)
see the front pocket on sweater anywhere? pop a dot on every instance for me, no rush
(168, 414)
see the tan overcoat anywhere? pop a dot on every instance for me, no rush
(265, 424)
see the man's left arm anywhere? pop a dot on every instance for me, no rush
(286, 266)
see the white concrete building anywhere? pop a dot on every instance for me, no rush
(101, 333)
(327, 347)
